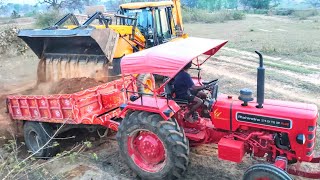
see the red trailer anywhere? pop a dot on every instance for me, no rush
(97, 105)
(42, 115)
(154, 136)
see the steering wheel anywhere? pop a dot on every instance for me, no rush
(209, 84)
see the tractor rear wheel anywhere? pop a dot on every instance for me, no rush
(265, 172)
(152, 147)
(38, 139)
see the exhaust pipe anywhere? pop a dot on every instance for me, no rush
(260, 82)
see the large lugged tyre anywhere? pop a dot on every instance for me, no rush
(36, 135)
(146, 79)
(265, 171)
(152, 147)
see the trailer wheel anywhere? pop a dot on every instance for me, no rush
(146, 79)
(36, 135)
(152, 147)
(265, 172)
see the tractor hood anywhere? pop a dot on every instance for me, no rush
(169, 58)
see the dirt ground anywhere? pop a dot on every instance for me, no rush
(288, 78)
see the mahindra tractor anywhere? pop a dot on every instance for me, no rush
(153, 136)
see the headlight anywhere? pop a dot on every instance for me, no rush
(301, 138)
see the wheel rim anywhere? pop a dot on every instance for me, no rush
(146, 150)
(149, 84)
(34, 141)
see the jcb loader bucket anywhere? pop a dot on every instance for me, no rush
(71, 53)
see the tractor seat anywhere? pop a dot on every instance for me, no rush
(169, 93)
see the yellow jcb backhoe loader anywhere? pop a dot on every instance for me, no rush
(69, 49)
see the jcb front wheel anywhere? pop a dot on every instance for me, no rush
(145, 83)
(152, 147)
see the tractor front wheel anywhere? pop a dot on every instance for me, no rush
(152, 147)
(265, 172)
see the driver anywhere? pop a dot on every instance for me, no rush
(187, 90)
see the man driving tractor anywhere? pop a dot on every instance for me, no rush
(186, 89)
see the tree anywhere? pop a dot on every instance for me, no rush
(190, 3)
(313, 3)
(55, 4)
(69, 4)
(261, 4)
(232, 4)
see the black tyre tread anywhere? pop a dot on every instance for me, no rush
(45, 131)
(266, 168)
(186, 140)
(171, 135)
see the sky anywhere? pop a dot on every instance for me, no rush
(22, 1)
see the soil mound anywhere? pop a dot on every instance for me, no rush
(7, 127)
(69, 86)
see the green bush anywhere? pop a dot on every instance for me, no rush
(283, 12)
(48, 18)
(238, 15)
(199, 15)
(257, 11)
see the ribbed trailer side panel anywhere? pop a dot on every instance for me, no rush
(97, 105)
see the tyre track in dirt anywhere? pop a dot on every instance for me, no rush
(291, 75)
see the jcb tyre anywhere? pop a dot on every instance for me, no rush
(265, 171)
(36, 135)
(152, 147)
(145, 79)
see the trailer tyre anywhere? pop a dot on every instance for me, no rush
(152, 147)
(265, 171)
(36, 135)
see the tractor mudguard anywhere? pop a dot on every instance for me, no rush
(165, 108)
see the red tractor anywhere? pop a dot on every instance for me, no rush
(153, 136)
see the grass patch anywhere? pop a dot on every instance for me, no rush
(199, 15)
(305, 14)
(290, 67)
